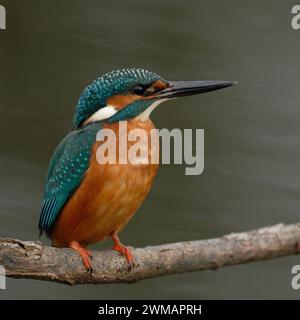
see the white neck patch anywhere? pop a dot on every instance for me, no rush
(144, 116)
(101, 114)
(109, 111)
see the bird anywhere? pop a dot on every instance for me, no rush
(86, 201)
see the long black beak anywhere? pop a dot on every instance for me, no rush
(188, 88)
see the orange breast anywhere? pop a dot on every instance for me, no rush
(108, 196)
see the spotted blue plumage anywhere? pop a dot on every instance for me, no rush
(115, 82)
(68, 166)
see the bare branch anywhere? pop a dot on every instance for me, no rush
(26, 259)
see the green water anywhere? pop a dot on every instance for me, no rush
(52, 49)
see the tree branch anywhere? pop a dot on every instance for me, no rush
(27, 259)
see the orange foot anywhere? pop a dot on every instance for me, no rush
(118, 246)
(85, 255)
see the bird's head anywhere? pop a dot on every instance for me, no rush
(128, 93)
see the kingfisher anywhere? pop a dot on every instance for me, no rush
(86, 201)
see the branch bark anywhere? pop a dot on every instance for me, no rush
(27, 259)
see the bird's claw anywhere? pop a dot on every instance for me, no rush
(85, 254)
(126, 252)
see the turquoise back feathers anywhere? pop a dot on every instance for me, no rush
(67, 168)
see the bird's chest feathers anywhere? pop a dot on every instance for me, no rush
(107, 197)
(123, 183)
(132, 144)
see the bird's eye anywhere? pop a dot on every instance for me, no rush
(139, 90)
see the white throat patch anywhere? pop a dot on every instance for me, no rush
(109, 111)
(144, 116)
(101, 114)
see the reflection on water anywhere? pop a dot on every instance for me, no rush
(51, 51)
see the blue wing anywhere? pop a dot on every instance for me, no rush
(67, 168)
